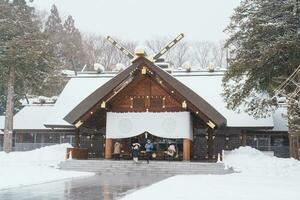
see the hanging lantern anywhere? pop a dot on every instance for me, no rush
(144, 70)
(184, 104)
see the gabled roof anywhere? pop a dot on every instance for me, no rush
(93, 99)
(208, 85)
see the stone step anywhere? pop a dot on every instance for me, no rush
(153, 162)
(143, 163)
(140, 170)
(155, 167)
(140, 167)
(158, 171)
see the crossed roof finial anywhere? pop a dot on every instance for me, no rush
(140, 52)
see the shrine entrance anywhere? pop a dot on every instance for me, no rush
(162, 129)
(160, 146)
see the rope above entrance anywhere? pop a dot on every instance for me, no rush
(177, 125)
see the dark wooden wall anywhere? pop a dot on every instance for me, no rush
(144, 94)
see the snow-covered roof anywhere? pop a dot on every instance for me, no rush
(208, 85)
(32, 117)
(280, 122)
(75, 91)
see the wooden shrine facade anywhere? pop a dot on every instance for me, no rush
(144, 87)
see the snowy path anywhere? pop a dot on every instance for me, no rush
(100, 187)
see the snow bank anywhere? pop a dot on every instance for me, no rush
(261, 177)
(34, 167)
(253, 162)
(49, 156)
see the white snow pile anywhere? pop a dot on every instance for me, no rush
(34, 167)
(253, 162)
(260, 177)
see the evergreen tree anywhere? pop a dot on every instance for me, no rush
(265, 40)
(72, 46)
(26, 56)
(55, 32)
(53, 24)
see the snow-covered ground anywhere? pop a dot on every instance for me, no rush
(34, 167)
(261, 177)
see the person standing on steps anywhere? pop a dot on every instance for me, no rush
(149, 148)
(117, 151)
(170, 153)
(135, 151)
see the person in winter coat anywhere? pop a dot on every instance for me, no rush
(149, 149)
(135, 152)
(117, 150)
(171, 152)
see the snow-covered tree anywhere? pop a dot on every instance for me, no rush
(53, 24)
(72, 46)
(264, 38)
(55, 31)
(26, 56)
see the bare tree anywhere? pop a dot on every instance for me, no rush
(99, 50)
(176, 56)
(219, 54)
(180, 54)
(202, 52)
(154, 45)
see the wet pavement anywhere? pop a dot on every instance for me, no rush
(99, 187)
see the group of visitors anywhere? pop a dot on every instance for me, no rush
(169, 154)
(136, 151)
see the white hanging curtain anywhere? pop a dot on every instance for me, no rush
(164, 124)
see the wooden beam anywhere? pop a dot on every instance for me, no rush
(108, 148)
(186, 149)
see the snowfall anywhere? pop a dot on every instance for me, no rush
(259, 177)
(34, 167)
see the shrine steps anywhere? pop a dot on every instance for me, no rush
(106, 167)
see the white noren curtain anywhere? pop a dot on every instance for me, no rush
(163, 124)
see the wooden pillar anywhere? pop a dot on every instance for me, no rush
(21, 138)
(244, 139)
(108, 148)
(186, 149)
(34, 139)
(294, 146)
(210, 144)
(77, 138)
(42, 139)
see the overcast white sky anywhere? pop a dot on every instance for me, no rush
(145, 19)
